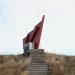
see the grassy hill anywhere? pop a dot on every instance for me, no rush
(60, 64)
(13, 64)
(17, 64)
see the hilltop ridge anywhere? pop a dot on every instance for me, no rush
(17, 64)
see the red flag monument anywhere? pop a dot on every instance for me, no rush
(35, 35)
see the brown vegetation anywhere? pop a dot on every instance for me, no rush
(17, 64)
(60, 64)
(13, 65)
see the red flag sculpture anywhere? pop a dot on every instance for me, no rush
(35, 35)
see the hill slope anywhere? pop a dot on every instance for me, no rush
(17, 64)
(60, 64)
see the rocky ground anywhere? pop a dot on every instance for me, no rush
(17, 64)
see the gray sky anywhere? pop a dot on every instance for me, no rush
(18, 17)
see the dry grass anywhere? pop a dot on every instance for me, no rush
(17, 64)
(13, 65)
(60, 64)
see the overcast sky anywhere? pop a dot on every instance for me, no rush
(18, 17)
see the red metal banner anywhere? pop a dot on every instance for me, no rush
(35, 35)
